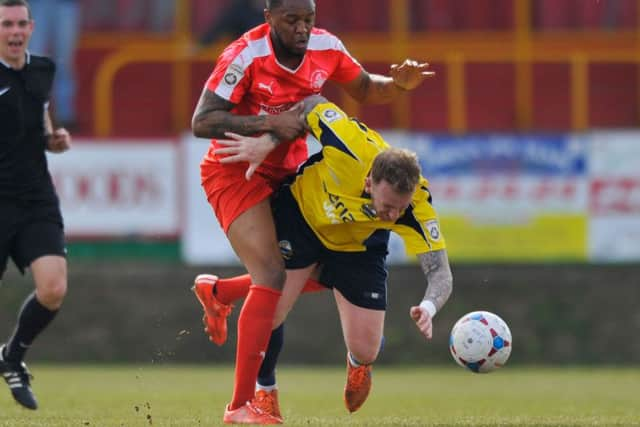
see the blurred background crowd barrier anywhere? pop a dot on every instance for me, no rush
(503, 65)
(528, 134)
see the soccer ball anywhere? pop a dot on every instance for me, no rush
(480, 341)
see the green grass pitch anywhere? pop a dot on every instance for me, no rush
(168, 395)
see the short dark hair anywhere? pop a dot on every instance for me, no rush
(8, 3)
(399, 167)
(272, 4)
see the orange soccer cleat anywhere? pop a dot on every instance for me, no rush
(358, 386)
(267, 402)
(215, 312)
(248, 414)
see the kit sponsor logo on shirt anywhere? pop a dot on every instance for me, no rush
(275, 109)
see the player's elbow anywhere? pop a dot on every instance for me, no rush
(442, 280)
(197, 126)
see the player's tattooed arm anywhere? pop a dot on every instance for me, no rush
(375, 88)
(435, 266)
(253, 150)
(371, 88)
(213, 119)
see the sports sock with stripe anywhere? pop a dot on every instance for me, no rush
(32, 320)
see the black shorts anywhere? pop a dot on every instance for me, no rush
(360, 276)
(29, 230)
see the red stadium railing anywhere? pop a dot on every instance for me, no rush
(521, 48)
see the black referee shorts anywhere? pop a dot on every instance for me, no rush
(29, 230)
(360, 276)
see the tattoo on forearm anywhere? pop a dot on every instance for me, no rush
(363, 89)
(274, 139)
(435, 266)
(243, 125)
(382, 88)
(212, 118)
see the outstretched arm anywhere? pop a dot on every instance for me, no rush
(377, 89)
(435, 266)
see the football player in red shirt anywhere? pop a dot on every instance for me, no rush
(255, 88)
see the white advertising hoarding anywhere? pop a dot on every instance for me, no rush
(118, 188)
(614, 207)
(203, 241)
(506, 198)
(526, 197)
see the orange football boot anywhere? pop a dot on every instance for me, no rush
(248, 414)
(267, 402)
(215, 312)
(358, 386)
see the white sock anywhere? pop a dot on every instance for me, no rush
(353, 361)
(266, 387)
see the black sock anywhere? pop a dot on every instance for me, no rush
(267, 373)
(32, 319)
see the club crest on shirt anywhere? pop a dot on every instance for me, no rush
(285, 249)
(230, 79)
(233, 74)
(318, 78)
(433, 229)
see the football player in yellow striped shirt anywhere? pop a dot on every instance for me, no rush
(333, 220)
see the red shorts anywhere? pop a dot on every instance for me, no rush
(230, 194)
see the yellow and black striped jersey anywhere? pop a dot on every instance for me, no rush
(330, 189)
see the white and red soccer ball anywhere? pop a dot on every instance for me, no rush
(480, 341)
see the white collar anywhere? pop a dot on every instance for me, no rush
(28, 61)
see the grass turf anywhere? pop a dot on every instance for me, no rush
(168, 395)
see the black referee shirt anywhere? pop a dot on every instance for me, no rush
(24, 96)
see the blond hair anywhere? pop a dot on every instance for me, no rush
(399, 167)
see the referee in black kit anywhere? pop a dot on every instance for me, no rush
(31, 227)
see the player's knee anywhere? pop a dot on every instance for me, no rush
(278, 277)
(367, 353)
(272, 276)
(52, 292)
